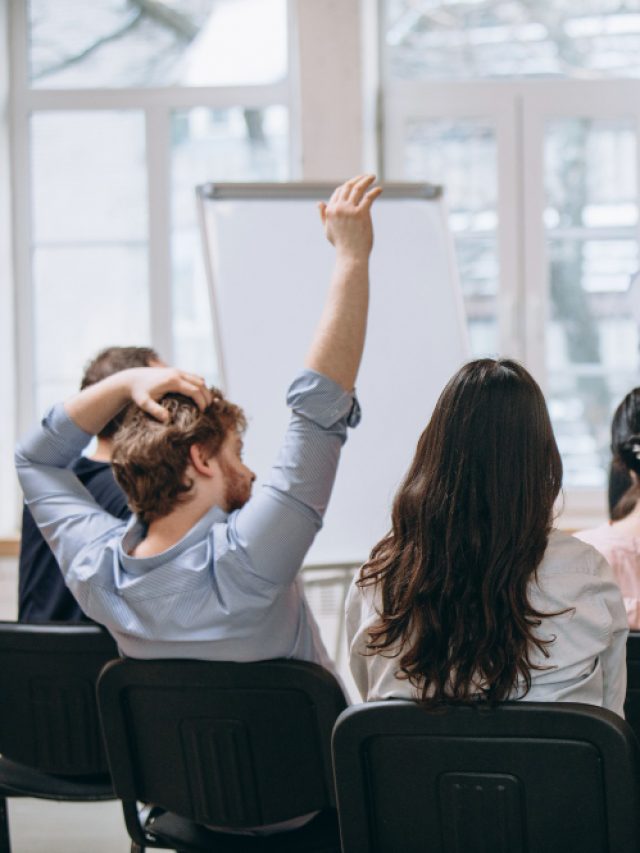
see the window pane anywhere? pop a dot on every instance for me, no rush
(213, 145)
(114, 43)
(592, 345)
(442, 39)
(590, 174)
(90, 242)
(89, 177)
(85, 299)
(461, 155)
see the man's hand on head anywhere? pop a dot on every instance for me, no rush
(347, 218)
(147, 385)
(96, 405)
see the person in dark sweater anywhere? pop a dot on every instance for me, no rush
(42, 594)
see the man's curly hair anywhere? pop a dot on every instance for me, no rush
(150, 458)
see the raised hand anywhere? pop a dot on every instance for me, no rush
(347, 217)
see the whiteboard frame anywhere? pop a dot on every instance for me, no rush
(287, 191)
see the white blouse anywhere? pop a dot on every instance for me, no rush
(587, 658)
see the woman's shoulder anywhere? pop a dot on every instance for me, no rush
(567, 554)
(361, 595)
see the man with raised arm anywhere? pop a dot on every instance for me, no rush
(203, 569)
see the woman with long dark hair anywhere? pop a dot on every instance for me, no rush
(473, 595)
(619, 540)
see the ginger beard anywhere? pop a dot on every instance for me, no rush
(237, 486)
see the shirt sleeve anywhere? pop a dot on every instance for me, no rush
(353, 620)
(585, 629)
(275, 529)
(614, 657)
(66, 514)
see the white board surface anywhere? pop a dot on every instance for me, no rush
(270, 266)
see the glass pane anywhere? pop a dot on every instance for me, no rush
(90, 241)
(590, 174)
(461, 154)
(85, 299)
(208, 145)
(441, 39)
(592, 343)
(89, 177)
(123, 43)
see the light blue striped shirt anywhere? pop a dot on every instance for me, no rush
(229, 589)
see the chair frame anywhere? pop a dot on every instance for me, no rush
(214, 683)
(50, 735)
(358, 728)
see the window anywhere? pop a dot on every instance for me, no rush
(120, 108)
(541, 177)
(506, 39)
(123, 115)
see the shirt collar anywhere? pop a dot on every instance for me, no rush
(136, 531)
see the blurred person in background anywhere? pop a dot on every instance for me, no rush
(618, 540)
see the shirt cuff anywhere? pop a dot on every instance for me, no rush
(321, 400)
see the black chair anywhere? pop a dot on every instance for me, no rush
(632, 702)
(50, 737)
(519, 778)
(233, 745)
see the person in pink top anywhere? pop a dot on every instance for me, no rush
(618, 540)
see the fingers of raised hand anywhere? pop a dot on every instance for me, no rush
(336, 195)
(351, 192)
(371, 196)
(361, 185)
(346, 189)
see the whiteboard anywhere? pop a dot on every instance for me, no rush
(269, 266)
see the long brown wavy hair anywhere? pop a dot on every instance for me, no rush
(470, 525)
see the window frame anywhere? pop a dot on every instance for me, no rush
(518, 110)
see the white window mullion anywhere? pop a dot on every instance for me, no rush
(8, 336)
(395, 115)
(293, 93)
(637, 188)
(22, 215)
(535, 261)
(159, 213)
(510, 242)
(141, 98)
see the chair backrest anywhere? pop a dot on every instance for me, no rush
(632, 702)
(518, 778)
(48, 710)
(223, 744)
